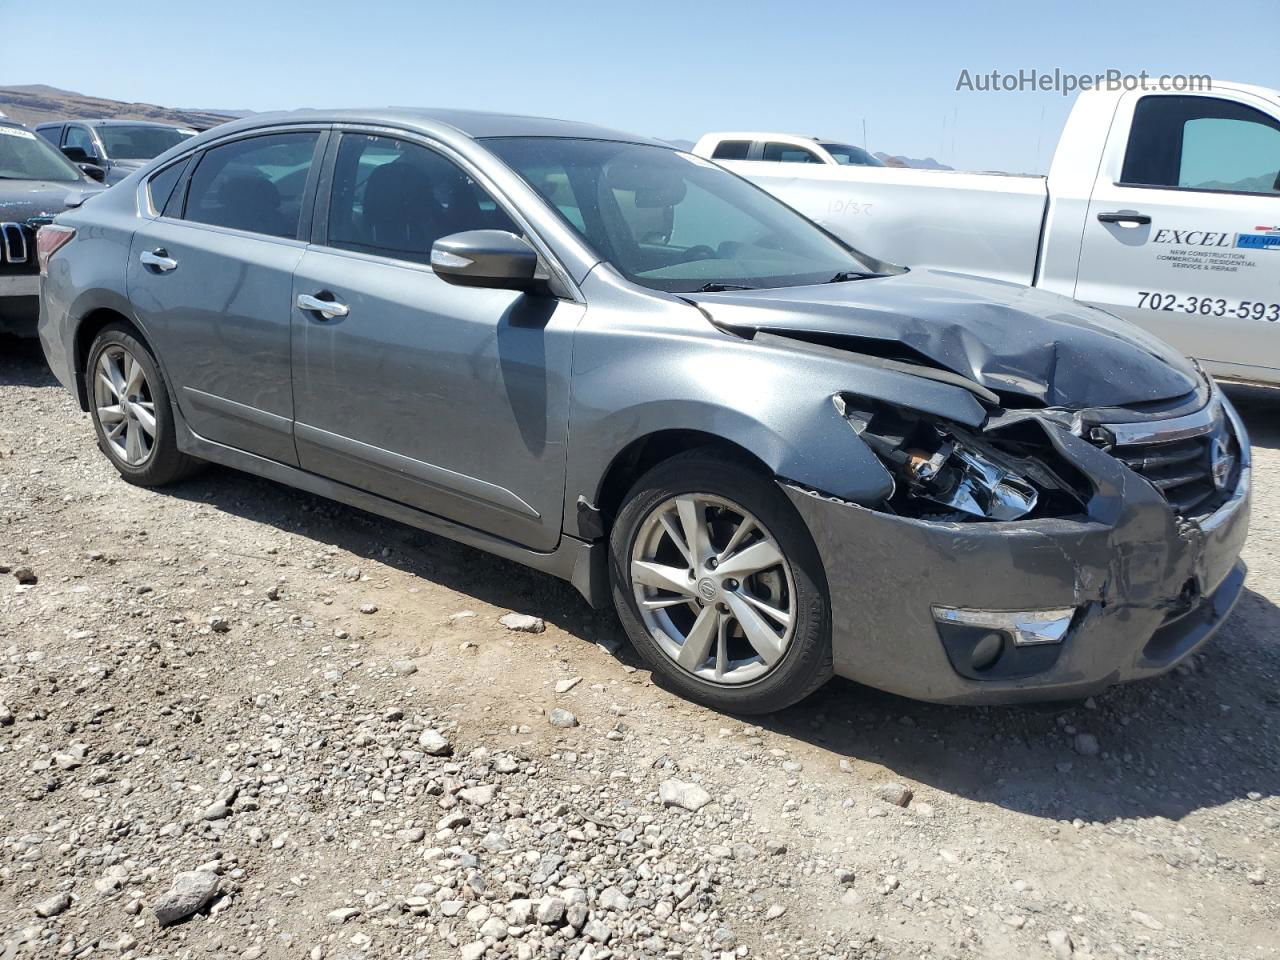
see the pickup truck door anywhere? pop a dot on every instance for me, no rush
(1182, 234)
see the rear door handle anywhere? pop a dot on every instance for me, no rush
(1125, 217)
(326, 308)
(158, 258)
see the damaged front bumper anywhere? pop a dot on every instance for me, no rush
(1146, 588)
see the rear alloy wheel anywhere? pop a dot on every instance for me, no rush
(718, 583)
(124, 406)
(129, 404)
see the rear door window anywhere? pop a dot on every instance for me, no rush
(395, 198)
(256, 184)
(789, 153)
(732, 150)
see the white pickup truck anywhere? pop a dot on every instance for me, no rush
(1162, 208)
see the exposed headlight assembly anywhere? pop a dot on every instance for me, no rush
(943, 471)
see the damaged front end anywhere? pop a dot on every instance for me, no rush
(946, 471)
(1044, 554)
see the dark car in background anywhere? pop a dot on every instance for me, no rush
(114, 147)
(36, 182)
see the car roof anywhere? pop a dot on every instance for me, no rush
(475, 124)
(104, 122)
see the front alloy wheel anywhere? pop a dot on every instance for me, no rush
(718, 583)
(713, 588)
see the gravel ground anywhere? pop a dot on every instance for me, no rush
(241, 721)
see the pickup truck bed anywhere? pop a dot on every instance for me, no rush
(1161, 208)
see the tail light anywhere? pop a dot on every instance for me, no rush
(49, 240)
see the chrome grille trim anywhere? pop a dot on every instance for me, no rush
(14, 248)
(1177, 456)
(1197, 424)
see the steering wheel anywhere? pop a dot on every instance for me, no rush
(700, 252)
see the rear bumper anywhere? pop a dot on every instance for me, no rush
(1147, 588)
(19, 303)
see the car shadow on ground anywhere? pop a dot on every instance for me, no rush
(22, 363)
(1194, 739)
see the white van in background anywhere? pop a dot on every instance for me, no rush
(1162, 208)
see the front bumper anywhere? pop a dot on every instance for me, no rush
(1148, 587)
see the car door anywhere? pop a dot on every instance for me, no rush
(450, 399)
(211, 279)
(1183, 230)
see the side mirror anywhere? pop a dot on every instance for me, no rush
(487, 258)
(1276, 186)
(94, 171)
(78, 155)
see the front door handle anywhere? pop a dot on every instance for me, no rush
(1126, 217)
(329, 309)
(158, 258)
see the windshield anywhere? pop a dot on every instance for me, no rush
(139, 143)
(24, 156)
(851, 156)
(672, 221)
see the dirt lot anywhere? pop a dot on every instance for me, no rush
(321, 709)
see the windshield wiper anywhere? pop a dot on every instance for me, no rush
(846, 275)
(716, 287)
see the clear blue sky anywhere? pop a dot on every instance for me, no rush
(669, 69)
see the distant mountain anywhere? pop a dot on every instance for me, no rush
(1263, 183)
(928, 163)
(37, 103)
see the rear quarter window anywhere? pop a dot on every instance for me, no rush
(160, 187)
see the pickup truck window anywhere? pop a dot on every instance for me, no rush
(731, 150)
(139, 143)
(671, 221)
(850, 156)
(1202, 143)
(78, 136)
(788, 153)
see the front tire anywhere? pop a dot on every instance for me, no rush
(718, 583)
(132, 416)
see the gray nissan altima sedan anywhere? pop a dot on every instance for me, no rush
(779, 458)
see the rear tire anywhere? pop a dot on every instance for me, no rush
(131, 412)
(702, 631)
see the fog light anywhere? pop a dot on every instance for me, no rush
(1028, 628)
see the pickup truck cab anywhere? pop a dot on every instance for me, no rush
(787, 148)
(110, 150)
(1161, 208)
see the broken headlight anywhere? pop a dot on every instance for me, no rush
(944, 471)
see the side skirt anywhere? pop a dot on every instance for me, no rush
(579, 562)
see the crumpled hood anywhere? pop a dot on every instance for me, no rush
(20, 200)
(1009, 338)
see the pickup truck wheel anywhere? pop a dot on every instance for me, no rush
(129, 404)
(718, 583)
